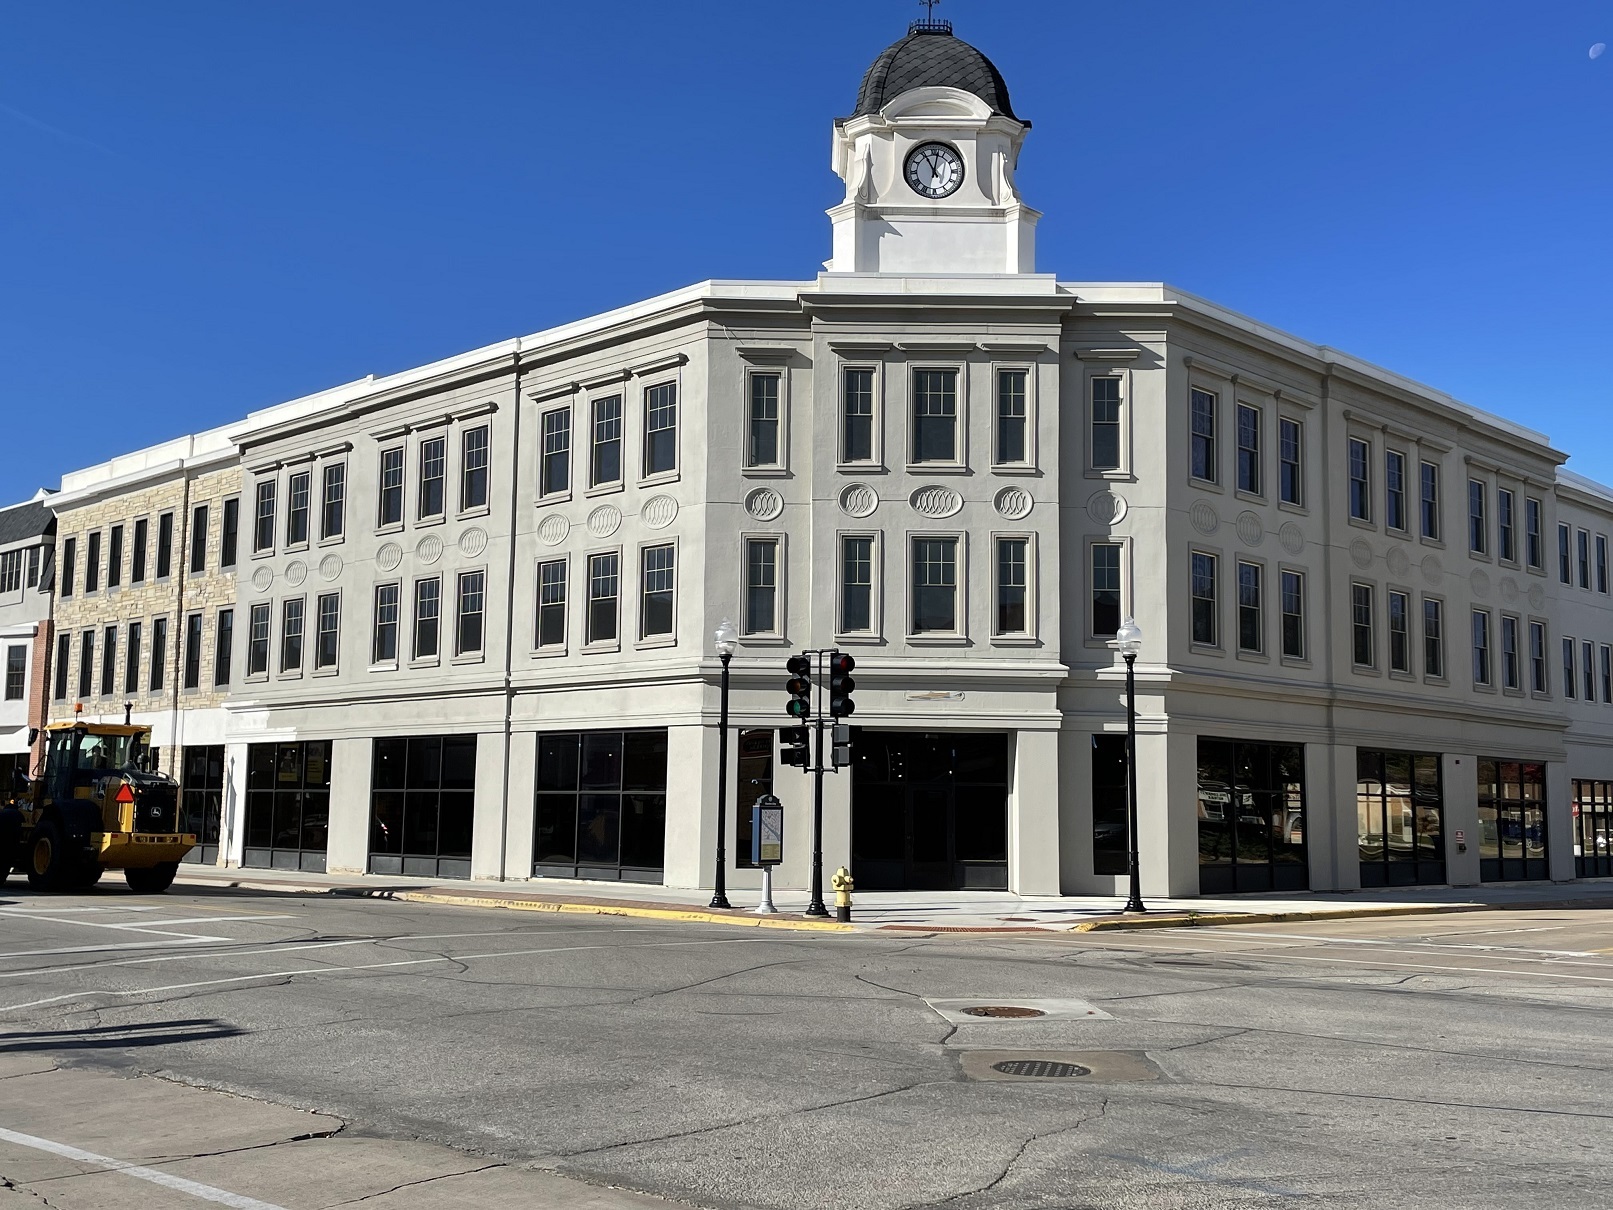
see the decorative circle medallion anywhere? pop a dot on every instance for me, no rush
(330, 566)
(1251, 530)
(936, 502)
(604, 520)
(1292, 537)
(262, 578)
(1106, 507)
(389, 556)
(1399, 561)
(429, 549)
(473, 541)
(1433, 571)
(1480, 580)
(552, 530)
(1014, 503)
(859, 500)
(1537, 597)
(296, 572)
(659, 512)
(765, 504)
(1361, 553)
(1509, 590)
(1203, 517)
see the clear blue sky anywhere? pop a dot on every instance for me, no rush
(207, 208)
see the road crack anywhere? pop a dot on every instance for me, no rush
(413, 1184)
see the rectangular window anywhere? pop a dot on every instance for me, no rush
(935, 415)
(109, 661)
(257, 640)
(263, 525)
(1248, 449)
(554, 473)
(1293, 607)
(298, 487)
(433, 477)
(11, 571)
(1607, 673)
(761, 586)
(34, 553)
(1106, 424)
(1201, 408)
(16, 673)
(226, 539)
(470, 612)
(131, 660)
(1583, 548)
(1399, 632)
(856, 585)
(427, 617)
(1511, 657)
(223, 645)
(92, 562)
(1533, 540)
(935, 585)
(1433, 638)
(327, 639)
(114, 557)
(384, 634)
(473, 463)
(1481, 647)
(1203, 588)
(1250, 623)
(1106, 588)
(198, 540)
(165, 541)
(1360, 480)
(1013, 417)
(1478, 529)
(291, 623)
(604, 593)
(763, 443)
(1394, 488)
(1013, 581)
(86, 663)
(137, 557)
(193, 651)
(64, 653)
(1568, 669)
(552, 603)
(661, 428)
(159, 654)
(1506, 525)
(1537, 657)
(1429, 494)
(1565, 558)
(1289, 462)
(857, 415)
(1363, 644)
(389, 510)
(332, 501)
(605, 456)
(659, 576)
(69, 564)
(1601, 563)
(1587, 669)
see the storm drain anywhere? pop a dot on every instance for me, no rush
(1040, 1069)
(1035, 1066)
(1010, 1012)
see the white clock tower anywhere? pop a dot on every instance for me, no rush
(928, 160)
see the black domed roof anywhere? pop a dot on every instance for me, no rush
(931, 56)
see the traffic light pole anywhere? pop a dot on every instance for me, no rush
(815, 906)
(820, 692)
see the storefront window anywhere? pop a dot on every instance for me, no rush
(1593, 829)
(287, 805)
(1512, 820)
(422, 805)
(201, 799)
(1109, 831)
(755, 780)
(1399, 808)
(1251, 809)
(601, 805)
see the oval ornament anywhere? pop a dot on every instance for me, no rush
(604, 520)
(1399, 561)
(1014, 503)
(473, 541)
(1361, 553)
(659, 512)
(859, 500)
(1509, 590)
(429, 549)
(936, 502)
(330, 566)
(1203, 517)
(262, 578)
(1106, 507)
(296, 572)
(1537, 597)
(389, 556)
(1251, 530)
(1433, 571)
(552, 530)
(1480, 582)
(765, 504)
(1292, 537)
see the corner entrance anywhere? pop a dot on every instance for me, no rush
(929, 811)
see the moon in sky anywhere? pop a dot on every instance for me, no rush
(1596, 51)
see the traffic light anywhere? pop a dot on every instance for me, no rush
(840, 755)
(841, 685)
(795, 746)
(799, 687)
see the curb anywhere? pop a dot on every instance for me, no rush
(1206, 919)
(683, 915)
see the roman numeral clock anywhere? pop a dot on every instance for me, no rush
(934, 170)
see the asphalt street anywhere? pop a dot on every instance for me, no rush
(1439, 1061)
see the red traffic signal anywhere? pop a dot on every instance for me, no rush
(799, 687)
(840, 685)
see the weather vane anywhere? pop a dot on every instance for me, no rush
(929, 8)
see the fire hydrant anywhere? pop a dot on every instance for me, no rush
(843, 886)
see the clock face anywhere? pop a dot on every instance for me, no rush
(934, 170)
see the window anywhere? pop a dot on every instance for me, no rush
(604, 590)
(422, 805)
(1433, 638)
(1607, 673)
(1512, 831)
(856, 585)
(935, 585)
(1106, 424)
(1203, 587)
(291, 624)
(327, 637)
(69, 563)
(1250, 624)
(761, 586)
(1013, 606)
(473, 455)
(1568, 669)
(1251, 816)
(1565, 569)
(1511, 665)
(64, 653)
(1430, 500)
(433, 476)
(1583, 548)
(1601, 563)
(1291, 483)
(1506, 523)
(86, 662)
(470, 612)
(137, 557)
(427, 617)
(554, 474)
(1399, 810)
(1293, 610)
(16, 673)
(226, 538)
(1248, 449)
(1399, 632)
(198, 539)
(1013, 438)
(384, 637)
(92, 562)
(763, 443)
(131, 660)
(661, 428)
(286, 815)
(1478, 531)
(34, 553)
(109, 661)
(552, 603)
(1394, 487)
(659, 574)
(755, 761)
(165, 540)
(1360, 481)
(935, 415)
(1537, 657)
(1106, 589)
(1361, 624)
(1481, 647)
(193, 651)
(857, 415)
(605, 459)
(159, 654)
(114, 558)
(1201, 407)
(223, 645)
(600, 805)
(1532, 530)
(11, 571)
(1588, 670)
(263, 526)
(1109, 830)
(332, 501)
(390, 509)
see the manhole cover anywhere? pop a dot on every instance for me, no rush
(1003, 1010)
(1040, 1069)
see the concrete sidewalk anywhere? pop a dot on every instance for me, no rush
(918, 911)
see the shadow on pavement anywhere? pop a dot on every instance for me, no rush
(119, 1037)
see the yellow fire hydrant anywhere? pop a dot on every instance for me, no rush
(842, 886)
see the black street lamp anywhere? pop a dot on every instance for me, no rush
(1129, 641)
(727, 639)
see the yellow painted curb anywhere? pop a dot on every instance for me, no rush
(1205, 919)
(686, 915)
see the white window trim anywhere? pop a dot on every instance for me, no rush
(1090, 637)
(1219, 647)
(1366, 522)
(571, 455)
(478, 656)
(1029, 465)
(1490, 632)
(1379, 611)
(1303, 659)
(381, 450)
(876, 459)
(1262, 450)
(459, 429)
(539, 650)
(347, 510)
(958, 636)
(615, 389)
(651, 642)
(959, 463)
(314, 666)
(1444, 677)
(247, 675)
(437, 518)
(425, 661)
(1530, 622)
(1122, 472)
(288, 545)
(1261, 654)
(1411, 493)
(1032, 635)
(1217, 435)
(780, 467)
(1413, 648)
(602, 645)
(680, 424)
(876, 588)
(1300, 505)
(779, 636)
(397, 656)
(281, 672)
